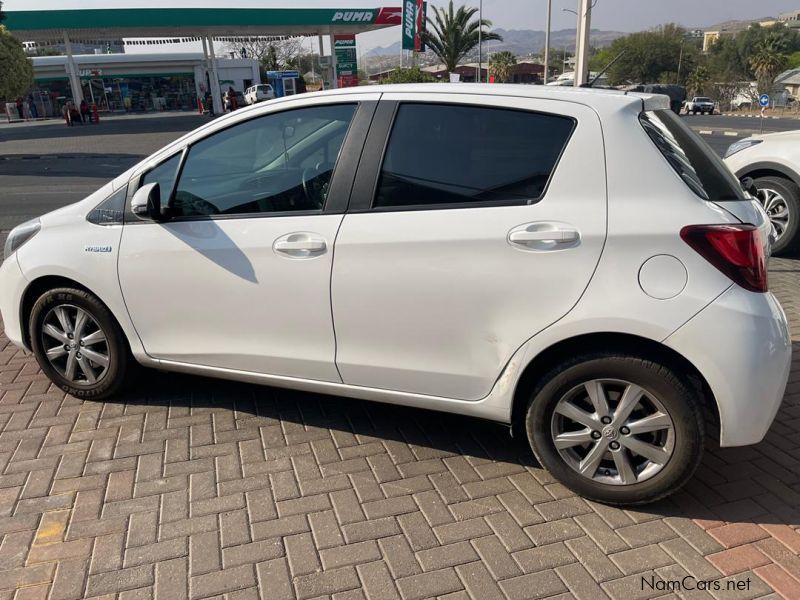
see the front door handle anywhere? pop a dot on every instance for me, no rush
(560, 236)
(300, 245)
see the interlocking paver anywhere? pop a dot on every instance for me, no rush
(196, 487)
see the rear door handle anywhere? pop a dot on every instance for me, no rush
(560, 236)
(300, 245)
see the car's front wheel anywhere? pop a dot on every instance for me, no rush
(616, 428)
(781, 200)
(78, 343)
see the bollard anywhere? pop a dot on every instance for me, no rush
(199, 106)
(95, 114)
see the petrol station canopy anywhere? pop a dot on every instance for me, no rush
(35, 20)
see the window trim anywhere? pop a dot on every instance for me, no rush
(366, 187)
(344, 170)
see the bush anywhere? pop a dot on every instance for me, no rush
(410, 75)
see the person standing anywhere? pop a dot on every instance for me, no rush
(32, 108)
(86, 114)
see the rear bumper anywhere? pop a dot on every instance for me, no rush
(12, 287)
(741, 345)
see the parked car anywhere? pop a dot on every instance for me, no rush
(259, 93)
(700, 104)
(483, 250)
(773, 162)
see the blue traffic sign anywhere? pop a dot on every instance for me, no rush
(763, 100)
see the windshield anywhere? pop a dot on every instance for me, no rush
(701, 99)
(694, 161)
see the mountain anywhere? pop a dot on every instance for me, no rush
(525, 41)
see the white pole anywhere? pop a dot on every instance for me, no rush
(72, 71)
(334, 83)
(547, 42)
(582, 47)
(216, 92)
(480, 41)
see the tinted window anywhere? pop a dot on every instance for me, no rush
(692, 159)
(164, 174)
(110, 210)
(276, 163)
(449, 154)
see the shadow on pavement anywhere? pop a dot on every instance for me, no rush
(133, 125)
(757, 484)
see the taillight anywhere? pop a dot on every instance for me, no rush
(736, 250)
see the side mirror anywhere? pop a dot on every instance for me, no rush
(146, 203)
(749, 186)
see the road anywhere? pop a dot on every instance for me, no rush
(47, 165)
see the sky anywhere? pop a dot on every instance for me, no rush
(617, 15)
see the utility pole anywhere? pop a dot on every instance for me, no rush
(547, 42)
(582, 45)
(480, 41)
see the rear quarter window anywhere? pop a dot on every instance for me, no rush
(691, 158)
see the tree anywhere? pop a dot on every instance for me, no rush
(16, 75)
(500, 65)
(649, 54)
(411, 75)
(274, 54)
(768, 62)
(697, 81)
(452, 34)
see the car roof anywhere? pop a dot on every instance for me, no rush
(595, 97)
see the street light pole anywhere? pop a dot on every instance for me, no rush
(547, 42)
(480, 41)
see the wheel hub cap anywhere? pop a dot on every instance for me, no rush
(613, 432)
(81, 353)
(777, 209)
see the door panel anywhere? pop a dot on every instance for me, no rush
(435, 301)
(215, 293)
(240, 278)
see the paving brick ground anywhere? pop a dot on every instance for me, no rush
(193, 488)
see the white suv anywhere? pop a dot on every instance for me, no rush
(575, 263)
(259, 93)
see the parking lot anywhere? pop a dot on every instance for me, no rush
(187, 487)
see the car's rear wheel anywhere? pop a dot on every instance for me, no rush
(616, 428)
(78, 343)
(781, 199)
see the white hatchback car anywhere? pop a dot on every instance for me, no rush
(573, 262)
(772, 161)
(259, 93)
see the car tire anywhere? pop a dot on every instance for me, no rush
(674, 450)
(788, 193)
(93, 360)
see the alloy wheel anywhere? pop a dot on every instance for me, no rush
(75, 344)
(613, 431)
(777, 209)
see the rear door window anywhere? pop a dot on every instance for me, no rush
(459, 155)
(693, 160)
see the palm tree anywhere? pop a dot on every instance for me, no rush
(697, 80)
(500, 64)
(451, 34)
(768, 62)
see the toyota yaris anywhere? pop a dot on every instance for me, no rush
(575, 263)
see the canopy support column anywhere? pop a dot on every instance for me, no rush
(72, 73)
(216, 93)
(334, 82)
